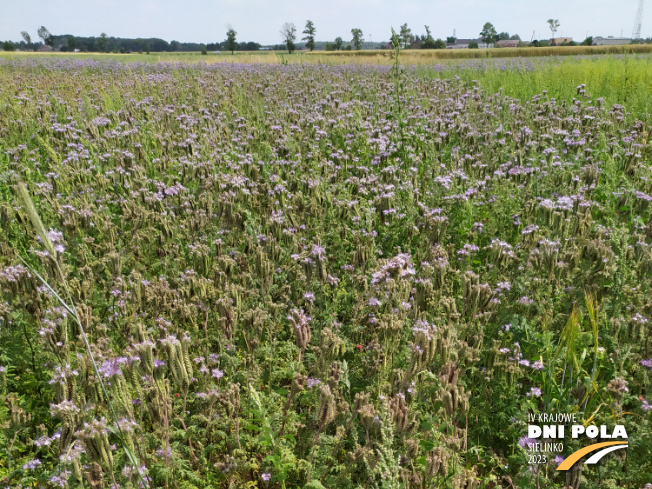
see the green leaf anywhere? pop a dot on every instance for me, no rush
(427, 445)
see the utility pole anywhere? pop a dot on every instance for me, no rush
(636, 33)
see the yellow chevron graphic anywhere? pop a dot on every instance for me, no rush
(574, 457)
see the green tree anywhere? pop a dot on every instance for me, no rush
(451, 39)
(102, 42)
(503, 36)
(515, 37)
(541, 44)
(405, 35)
(289, 33)
(72, 43)
(8, 46)
(440, 44)
(338, 43)
(309, 32)
(553, 24)
(26, 37)
(488, 33)
(588, 41)
(357, 39)
(46, 37)
(473, 45)
(230, 43)
(428, 41)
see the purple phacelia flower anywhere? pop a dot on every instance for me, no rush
(534, 392)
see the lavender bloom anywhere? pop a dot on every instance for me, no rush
(64, 408)
(534, 392)
(310, 383)
(32, 464)
(60, 480)
(318, 251)
(109, 368)
(526, 442)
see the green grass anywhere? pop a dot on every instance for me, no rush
(625, 80)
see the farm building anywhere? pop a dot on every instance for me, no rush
(464, 44)
(558, 41)
(611, 41)
(508, 43)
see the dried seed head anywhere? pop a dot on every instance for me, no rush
(367, 416)
(334, 375)
(326, 410)
(301, 323)
(94, 476)
(298, 382)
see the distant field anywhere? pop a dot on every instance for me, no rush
(420, 56)
(624, 79)
(412, 56)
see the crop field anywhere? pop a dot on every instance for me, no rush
(307, 276)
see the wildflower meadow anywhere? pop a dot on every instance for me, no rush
(318, 276)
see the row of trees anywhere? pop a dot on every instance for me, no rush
(407, 39)
(104, 43)
(289, 35)
(45, 36)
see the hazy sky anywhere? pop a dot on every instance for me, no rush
(261, 20)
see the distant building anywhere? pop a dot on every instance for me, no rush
(611, 41)
(558, 41)
(44, 49)
(508, 43)
(464, 44)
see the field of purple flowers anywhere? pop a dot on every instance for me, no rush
(301, 276)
